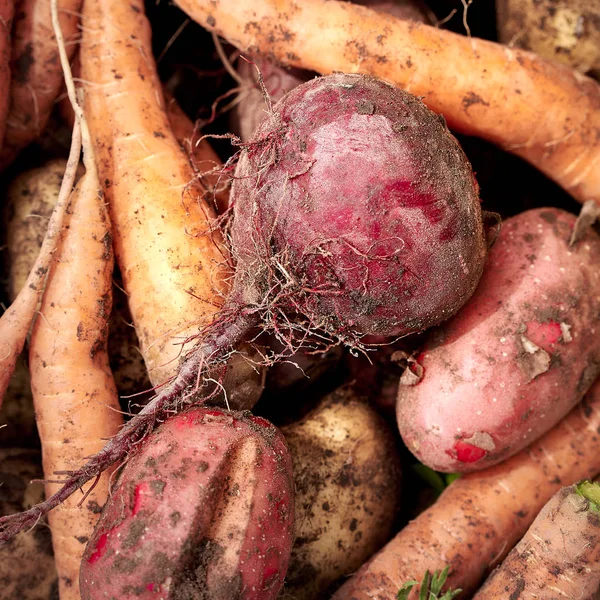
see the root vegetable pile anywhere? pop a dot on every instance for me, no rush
(423, 352)
(368, 222)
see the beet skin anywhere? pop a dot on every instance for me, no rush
(354, 205)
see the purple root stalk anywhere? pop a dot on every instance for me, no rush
(217, 341)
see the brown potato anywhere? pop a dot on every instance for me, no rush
(347, 476)
(566, 31)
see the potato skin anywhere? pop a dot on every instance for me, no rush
(347, 476)
(565, 31)
(517, 357)
(203, 510)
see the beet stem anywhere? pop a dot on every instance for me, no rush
(217, 341)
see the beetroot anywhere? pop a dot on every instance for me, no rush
(355, 212)
(355, 206)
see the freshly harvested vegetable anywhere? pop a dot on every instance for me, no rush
(74, 393)
(565, 31)
(30, 200)
(16, 320)
(75, 397)
(278, 80)
(559, 554)
(519, 355)
(513, 98)
(36, 74)
(347, 475)
(204, 159)
(204, 508)
(380, 233)
(252, 109)
(27, 570)
(174, 264)
(480, 516)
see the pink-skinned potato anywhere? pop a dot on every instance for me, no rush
(203, 510)
(517, 357)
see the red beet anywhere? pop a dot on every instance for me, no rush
(355, 212)
(355, 206)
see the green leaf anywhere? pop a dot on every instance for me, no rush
(451, 594)
(432, 478)
(438, 580)
(404, 591)
(431, 587)
(424, 593)
(450, 477)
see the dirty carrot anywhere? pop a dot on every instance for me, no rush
(74, 393)
(75, 397)
(173, 265)
(6, 16)
(559, 556)
(205, 161)
(543, 112)
(36, 73)
(480, 516)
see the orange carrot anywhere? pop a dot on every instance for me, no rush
(36, 73)
(75, 396)
(173, 267)
(480, 516)
(205, 161)
(559, 556)
(6, 16)
(539, 110)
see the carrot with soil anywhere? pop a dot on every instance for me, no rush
(559, 555)
(368, 223)
(6, 17)
(205, 161)
(167, 252)
(543, 112)
(480, 516)
(75, 417)
(36, 73)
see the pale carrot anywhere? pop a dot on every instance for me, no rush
(6, 16)
(173, 267)
(559, 556)
(541, 111)
(75, 397)
(36, 73)
(480, 516)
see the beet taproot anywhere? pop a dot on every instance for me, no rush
(355, 212)
(355, 206)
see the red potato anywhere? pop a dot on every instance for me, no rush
(517, 357)
(203, 509)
